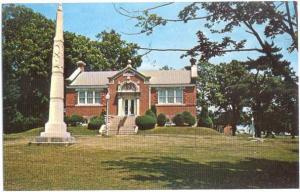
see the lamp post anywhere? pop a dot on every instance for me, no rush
(107, 97)
(252, 119)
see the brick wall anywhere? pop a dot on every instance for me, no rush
(144, 93)
(189, 100)
(189, 103)
(86, 111)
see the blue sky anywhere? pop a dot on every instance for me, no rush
(89, 19)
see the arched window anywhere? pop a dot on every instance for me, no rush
(128, 87)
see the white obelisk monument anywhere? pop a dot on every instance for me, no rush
(56, 127)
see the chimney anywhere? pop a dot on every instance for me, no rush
(194, 68)
(81, 65)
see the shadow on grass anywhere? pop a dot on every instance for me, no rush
(180, 173)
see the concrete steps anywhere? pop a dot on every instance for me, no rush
(114, 125)
(122, 125)
(129, 126)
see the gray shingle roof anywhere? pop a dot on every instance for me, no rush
(157, 77)
(93, 78)
(168, 77)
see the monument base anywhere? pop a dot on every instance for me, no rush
(55, 133)
(53, 140)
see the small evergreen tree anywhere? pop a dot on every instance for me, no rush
(161, 119)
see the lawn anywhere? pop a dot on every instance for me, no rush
(163, 158)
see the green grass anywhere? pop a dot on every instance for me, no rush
(181, 131)
(162, 158)
(80, 130)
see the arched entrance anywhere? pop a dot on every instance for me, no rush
(128, 99)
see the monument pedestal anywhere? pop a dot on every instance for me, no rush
(55, 133)
(55, 128)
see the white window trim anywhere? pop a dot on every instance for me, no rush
(166, 96)
(85, 98)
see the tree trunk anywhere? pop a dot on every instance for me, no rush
(258, 123)
(235, 120)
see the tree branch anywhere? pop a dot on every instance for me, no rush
(146, 53)
(170, 20)
(291, 29)
(255, 34)
(157, 49)
(296, 11)
(184, 50)
(148, 9)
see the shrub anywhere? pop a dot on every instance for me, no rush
(178, 120)
(145, 122)
(189, 119)
(23, 123)
(76, 119)
(150, 113)
(153, 109)
(67, 120)
(96, 122)
(205, 122)
(161, 119)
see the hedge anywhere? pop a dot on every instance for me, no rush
(74, 120)
(178, 120)
(151, 113)
(205, 122)
(161, 119)
(145, 122)
(189, 119)
(96, 122)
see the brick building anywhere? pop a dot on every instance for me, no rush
(131, 92)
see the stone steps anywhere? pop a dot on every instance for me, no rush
(129, 126)
(124, 125)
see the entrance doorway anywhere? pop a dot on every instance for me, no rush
(129, 107)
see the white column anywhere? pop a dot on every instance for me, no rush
(56, 127)
(129, 106)
(120, 106)
(138, 106)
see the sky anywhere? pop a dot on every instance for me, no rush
(89, 19)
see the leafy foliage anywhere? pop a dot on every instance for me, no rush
(204, 119)
(75, 119)
(145, 122)
(150, 113)
(27, 62)
(161, 119)
(189, 119)
(96, 122)
(153, 109)
(178, 120)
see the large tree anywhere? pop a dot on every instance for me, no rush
(263, 21)
(228, 90)
(27, 53)
(276, 18)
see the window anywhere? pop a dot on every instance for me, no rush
(128, 87)
(88, 97)
(170, 95)
(161, 96)
(179, 96)
(81, 97)
(97, 97)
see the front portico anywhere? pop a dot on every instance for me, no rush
(128, 106)
(128, 95)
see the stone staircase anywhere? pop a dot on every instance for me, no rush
(128, 127)
(122, 125)
(113, 124)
